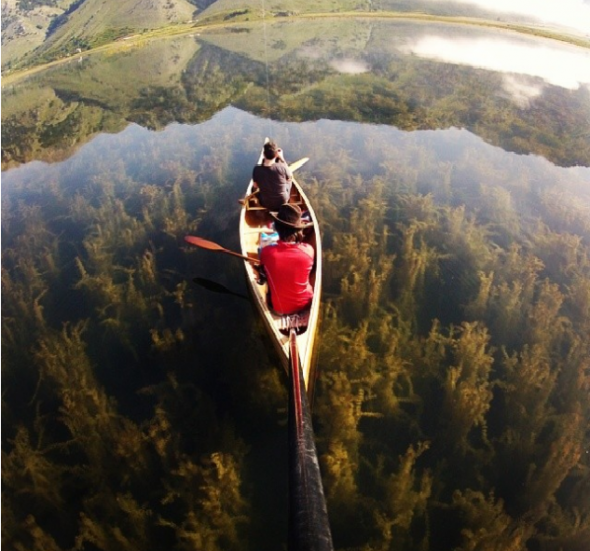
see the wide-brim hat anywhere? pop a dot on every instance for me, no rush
(290, 215)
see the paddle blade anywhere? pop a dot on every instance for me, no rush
(298, 164)
(203, 243)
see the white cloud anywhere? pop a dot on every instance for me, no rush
(568, 13)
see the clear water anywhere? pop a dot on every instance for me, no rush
(450, 171)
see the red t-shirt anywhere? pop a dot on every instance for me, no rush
(287, 267)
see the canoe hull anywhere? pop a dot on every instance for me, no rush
(253, 221)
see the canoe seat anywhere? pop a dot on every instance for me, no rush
(251, 202)
(295, 198)
(298, 321)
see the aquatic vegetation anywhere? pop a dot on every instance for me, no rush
(452, 407)
(95, 311)
(486, 390)
(404, 502)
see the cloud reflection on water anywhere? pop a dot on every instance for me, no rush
(350, 66)
(522, 64)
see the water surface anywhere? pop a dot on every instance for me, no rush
(141, 410)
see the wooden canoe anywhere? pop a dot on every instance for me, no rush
(254, 219)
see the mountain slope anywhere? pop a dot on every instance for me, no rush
(60, 29)
(25, 28)
(98, 20)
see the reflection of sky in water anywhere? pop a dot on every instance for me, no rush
(350, 66)
(569, 13)
(565, 67)
(142, 150)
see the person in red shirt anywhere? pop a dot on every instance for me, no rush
(287, 264)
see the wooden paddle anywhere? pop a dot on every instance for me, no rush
(211, 246)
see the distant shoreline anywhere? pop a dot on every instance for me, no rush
(181, 29)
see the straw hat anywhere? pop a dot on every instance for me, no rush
(290, 215)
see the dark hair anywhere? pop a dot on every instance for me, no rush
(270, 150)
(286, 233)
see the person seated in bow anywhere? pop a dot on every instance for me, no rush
(273, 178)
(288, 264)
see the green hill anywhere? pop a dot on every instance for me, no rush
(37, 31)
(97, 21)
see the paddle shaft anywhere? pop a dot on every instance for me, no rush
(211, 246)
(227, 251)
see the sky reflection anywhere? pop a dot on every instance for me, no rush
(566, 67)
(350, 66)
